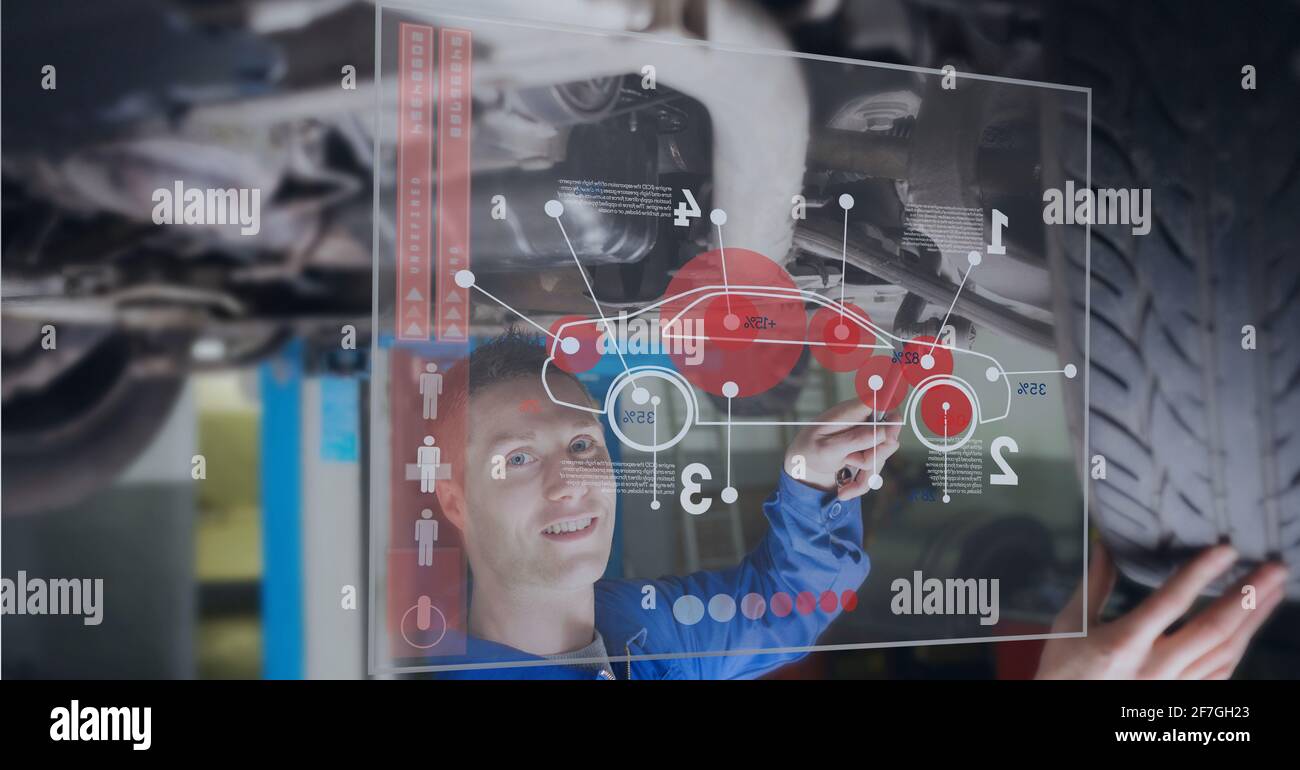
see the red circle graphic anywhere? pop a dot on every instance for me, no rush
(764, 307)
(893, 388)
(587, 355)
(840, 343)
(960, 410)
(915, 351)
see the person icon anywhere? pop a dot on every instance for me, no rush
(426, 533)
(430, 388)
(427, 457)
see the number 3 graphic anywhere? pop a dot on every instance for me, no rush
(691, 487)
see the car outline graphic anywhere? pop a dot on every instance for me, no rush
(908, 416)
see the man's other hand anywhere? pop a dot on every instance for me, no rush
(862, 448)
(1136, 646)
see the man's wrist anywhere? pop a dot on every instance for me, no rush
(805, 475)
(806, 500)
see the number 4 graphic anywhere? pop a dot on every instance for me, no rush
(688, 208)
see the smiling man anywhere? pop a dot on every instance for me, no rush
(538, 544)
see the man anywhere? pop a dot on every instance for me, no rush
(538, 545)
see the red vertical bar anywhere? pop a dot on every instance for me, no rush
(414, 168)
(442, 583)
(454, 119)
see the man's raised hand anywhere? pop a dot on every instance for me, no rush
(860, 448)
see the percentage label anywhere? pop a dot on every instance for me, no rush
(639, 416)
(759, 322)
(905, 357)
(1031, 389)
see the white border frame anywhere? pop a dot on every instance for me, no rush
(376, 498)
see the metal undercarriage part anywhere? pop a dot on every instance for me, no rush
(261, 107)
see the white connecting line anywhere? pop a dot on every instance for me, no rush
(618, 346)
(945, 452)
(974, 259)
(1045, 371)
(491, 296)
(654, 456)
(719, 218)
(875, 432)
(728, 441)
(715, 338)
(844, 251)
(771, 423)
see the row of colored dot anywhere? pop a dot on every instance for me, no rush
(689, 610)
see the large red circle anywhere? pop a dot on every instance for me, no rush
(725, 322)
(781, 604)
(805, 602)
(587, 355)
(960, 410)
(829, 602)
(917, 349)
(891, 393)
(839, 342)
(698, 300)
(849, 600)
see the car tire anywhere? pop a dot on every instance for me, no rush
(1199, 433)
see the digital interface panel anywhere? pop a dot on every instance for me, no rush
(729, 382)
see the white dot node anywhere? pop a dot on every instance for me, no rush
(688, 610)
(722, 608)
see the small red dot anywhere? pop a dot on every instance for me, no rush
(805, 602)
(849, 600)
(829, 601)
(781, 604)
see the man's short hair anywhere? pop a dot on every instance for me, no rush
(509, 356)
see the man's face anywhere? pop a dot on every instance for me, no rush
(537, 526)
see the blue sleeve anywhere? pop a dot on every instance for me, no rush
(813, 546)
